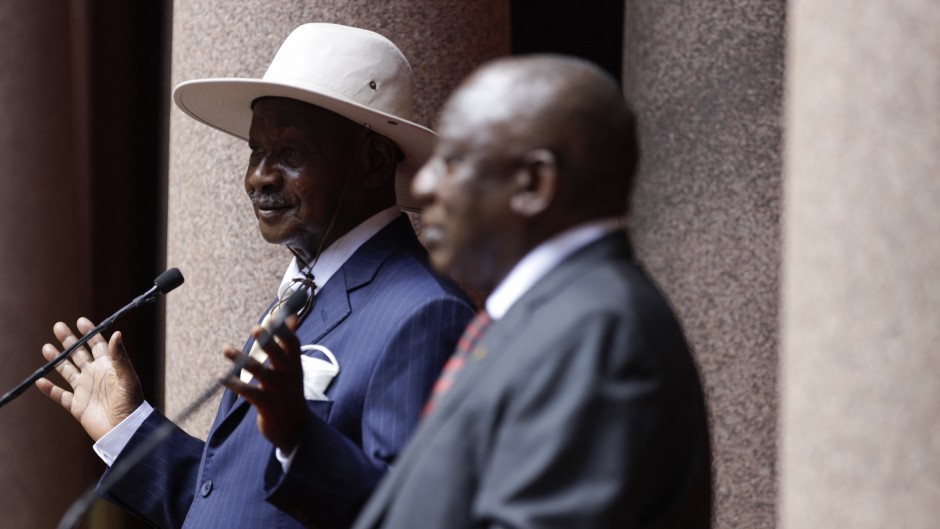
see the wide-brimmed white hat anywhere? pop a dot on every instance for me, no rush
(353, 72)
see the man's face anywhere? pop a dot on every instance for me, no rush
(300, 157)
(467, 223)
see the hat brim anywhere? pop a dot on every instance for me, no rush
(225, 104)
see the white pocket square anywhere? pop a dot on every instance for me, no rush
(318, 372)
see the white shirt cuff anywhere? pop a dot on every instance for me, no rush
(285, 459)
(110, 445)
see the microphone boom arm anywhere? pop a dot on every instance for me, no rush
(164, 283)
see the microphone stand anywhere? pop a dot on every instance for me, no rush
(164, 283)
(80, 506)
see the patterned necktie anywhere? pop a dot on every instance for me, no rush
(256, 352)
(471, 335)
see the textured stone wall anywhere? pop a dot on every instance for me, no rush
(861, 314)
(231, 273)
(706, 79)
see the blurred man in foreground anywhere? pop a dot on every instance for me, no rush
(573, 400)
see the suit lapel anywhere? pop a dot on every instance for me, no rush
(497, 343)
(502, 334)
(331, 305)
(330, 308)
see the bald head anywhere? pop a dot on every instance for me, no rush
(565, 105)
(528, 147)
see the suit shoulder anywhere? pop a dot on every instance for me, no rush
(615, 297)
(408, 270)
(620, 287)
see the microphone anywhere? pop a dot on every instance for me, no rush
(163, 284)
(84, 502)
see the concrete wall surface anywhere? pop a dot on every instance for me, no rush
(860, 362)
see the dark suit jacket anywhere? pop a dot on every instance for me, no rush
(391, 323)
(580, 408)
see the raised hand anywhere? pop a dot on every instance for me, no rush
(279, 392)
(104, 387)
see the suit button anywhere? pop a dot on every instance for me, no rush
(206, 488)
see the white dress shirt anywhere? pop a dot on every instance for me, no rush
(112, 443)
(542, 260)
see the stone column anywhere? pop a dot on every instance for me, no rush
(45, 457)
(706, 79)
(861, 313)
(231, 273)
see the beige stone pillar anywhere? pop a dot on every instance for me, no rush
(860, 437)
(231, 273)
(45, 457)
(706, 79)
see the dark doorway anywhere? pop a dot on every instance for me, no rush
(590, 30)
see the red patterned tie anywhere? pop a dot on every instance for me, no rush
(458, 360)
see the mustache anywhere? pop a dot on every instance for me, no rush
(267, 200)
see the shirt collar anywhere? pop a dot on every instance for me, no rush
(333, 257)
(542, 260)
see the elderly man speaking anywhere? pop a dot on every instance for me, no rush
(329, 135)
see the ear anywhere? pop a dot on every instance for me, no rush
(382, 162)
(536, 183)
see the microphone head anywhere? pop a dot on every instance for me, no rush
(168, 280)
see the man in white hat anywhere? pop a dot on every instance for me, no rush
(329, 132)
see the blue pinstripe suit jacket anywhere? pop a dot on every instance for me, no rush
(391, 323)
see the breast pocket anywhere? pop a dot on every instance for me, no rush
(320, 368)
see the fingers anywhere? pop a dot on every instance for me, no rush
(241, 361)
(57, 394)
(65, 368)
(253, 394)
(67, 338)
(292, 321)
(266, 375)
(286, 334)
(284, 350)
(64, 334)
(278, 395)
(118, 354)
(231, 380)
(85, 326)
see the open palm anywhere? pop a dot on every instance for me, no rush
(104, 386)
